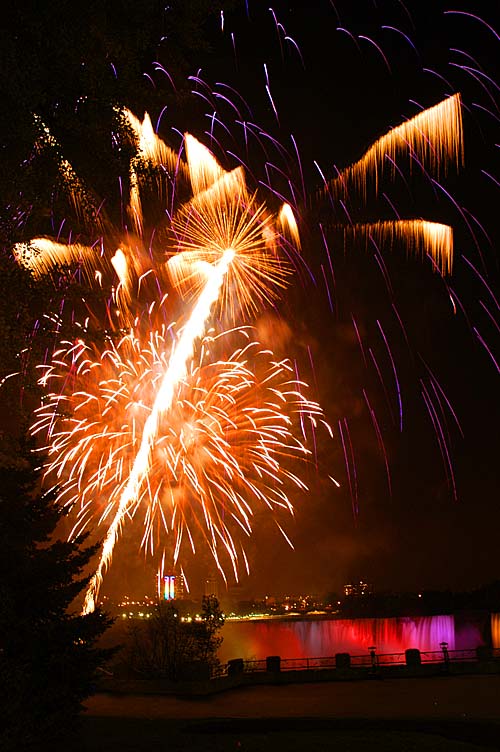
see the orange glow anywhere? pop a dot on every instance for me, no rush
(495, 630)
(417, 236)
(192, 423)
(434, 136)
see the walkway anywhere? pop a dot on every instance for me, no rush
(447, 697)
(439, 714)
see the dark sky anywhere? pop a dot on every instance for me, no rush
(339, 75)
(362, 68)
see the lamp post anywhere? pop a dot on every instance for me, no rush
(446, 655)
(373, 656)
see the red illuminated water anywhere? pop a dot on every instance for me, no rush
(309, 637)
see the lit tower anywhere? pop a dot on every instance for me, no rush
(170, 586)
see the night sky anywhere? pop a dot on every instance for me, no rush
(336, 98)
(339, 75)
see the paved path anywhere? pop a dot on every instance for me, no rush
(473, 698)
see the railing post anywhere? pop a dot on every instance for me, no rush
(413, 657)
(273, 663)
(235, 666)
(342, 660)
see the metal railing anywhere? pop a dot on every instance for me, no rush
(252, 666)
(371, 660)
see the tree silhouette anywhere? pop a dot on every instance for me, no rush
(48, 652)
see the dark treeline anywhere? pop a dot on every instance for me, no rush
(425, 603)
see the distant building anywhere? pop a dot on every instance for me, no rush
(171, 587)
(358, 589)
(211, 587)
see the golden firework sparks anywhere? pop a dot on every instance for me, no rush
(226, 445)
(193, 439)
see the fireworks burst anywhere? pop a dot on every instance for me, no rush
(132, 422)
(226, 444)
(192, 424)
(125, 423)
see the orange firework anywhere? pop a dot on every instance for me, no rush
(434, 136)
(419, 236)
(166, 418)
(221, 216)
(223, 250)
(227, 445)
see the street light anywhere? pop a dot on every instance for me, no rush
(444, 648)
(373, 656)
